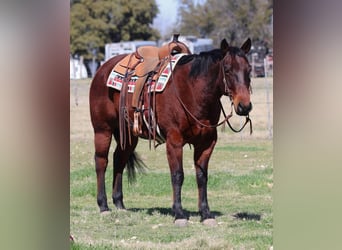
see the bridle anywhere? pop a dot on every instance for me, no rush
(226, 117)
(228, 92)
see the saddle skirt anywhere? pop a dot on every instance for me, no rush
(129, 68)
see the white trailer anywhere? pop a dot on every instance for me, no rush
(114, 49)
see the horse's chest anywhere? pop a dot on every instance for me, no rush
(200, 133)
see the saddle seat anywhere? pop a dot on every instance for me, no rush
(139, 63)
(144, 60)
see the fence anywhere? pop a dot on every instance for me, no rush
(261, 114)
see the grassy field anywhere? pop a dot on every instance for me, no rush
(239, 188)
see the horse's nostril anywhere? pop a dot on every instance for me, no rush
(250, 106)
(244, 110)
(240, 108)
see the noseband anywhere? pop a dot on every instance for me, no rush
(228, 92)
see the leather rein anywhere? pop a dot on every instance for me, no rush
(226, 117)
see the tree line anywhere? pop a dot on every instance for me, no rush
(97, 22)
(234, 20)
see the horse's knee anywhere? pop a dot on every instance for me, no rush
(100, 164)
(201, 177)
(177, 178)
(102, 141)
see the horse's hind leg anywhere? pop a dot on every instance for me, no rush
(120, 159)
(102, 144)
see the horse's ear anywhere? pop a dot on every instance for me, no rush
(224, 46)
(246, 47)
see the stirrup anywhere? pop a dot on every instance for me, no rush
(136, 126)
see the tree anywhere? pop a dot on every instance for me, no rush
(232, 19)
(196, 19)
(97, 22)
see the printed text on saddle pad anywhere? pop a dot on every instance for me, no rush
(116, 79)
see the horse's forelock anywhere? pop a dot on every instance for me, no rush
(236, 51)
(201, 62)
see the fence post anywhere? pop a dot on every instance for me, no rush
(76, 93)
(80, 66)
(253, 65)
(268, 101)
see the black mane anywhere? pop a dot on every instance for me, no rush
(201, 62)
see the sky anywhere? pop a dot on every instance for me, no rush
(167, 16)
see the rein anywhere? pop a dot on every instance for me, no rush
(243, 126)
(226, 118)
(228, 92)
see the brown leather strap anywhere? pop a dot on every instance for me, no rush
(123, 112)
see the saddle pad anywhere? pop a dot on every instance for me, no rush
(115, 79)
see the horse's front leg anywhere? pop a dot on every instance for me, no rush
(174, 150)
(202, 155)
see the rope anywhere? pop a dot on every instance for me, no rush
(226, 119)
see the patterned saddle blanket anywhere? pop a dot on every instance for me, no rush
(128, 68)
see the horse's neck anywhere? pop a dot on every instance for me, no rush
(209, 95)
(211, 86)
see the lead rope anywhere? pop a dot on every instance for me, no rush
(226, 118)
(226, 89)
(243, 126)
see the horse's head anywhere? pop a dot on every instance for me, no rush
(236, 76)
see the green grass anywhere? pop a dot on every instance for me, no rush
(239, 194)
(148, 222)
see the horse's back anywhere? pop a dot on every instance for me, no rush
(98, 86)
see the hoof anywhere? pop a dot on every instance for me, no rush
(105, 212)
(210, 222)
(181, 222)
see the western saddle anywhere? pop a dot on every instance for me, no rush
(144, 63)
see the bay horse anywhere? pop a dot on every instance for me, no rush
(187, 112)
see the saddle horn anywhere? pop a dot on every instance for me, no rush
(175, 38)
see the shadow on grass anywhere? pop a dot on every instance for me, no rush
(247, 216)
(169, 212)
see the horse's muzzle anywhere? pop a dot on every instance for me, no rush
(243, 109)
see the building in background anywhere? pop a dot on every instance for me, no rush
(195, 45)
(114, 49)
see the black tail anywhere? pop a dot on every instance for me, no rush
(134, 163)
